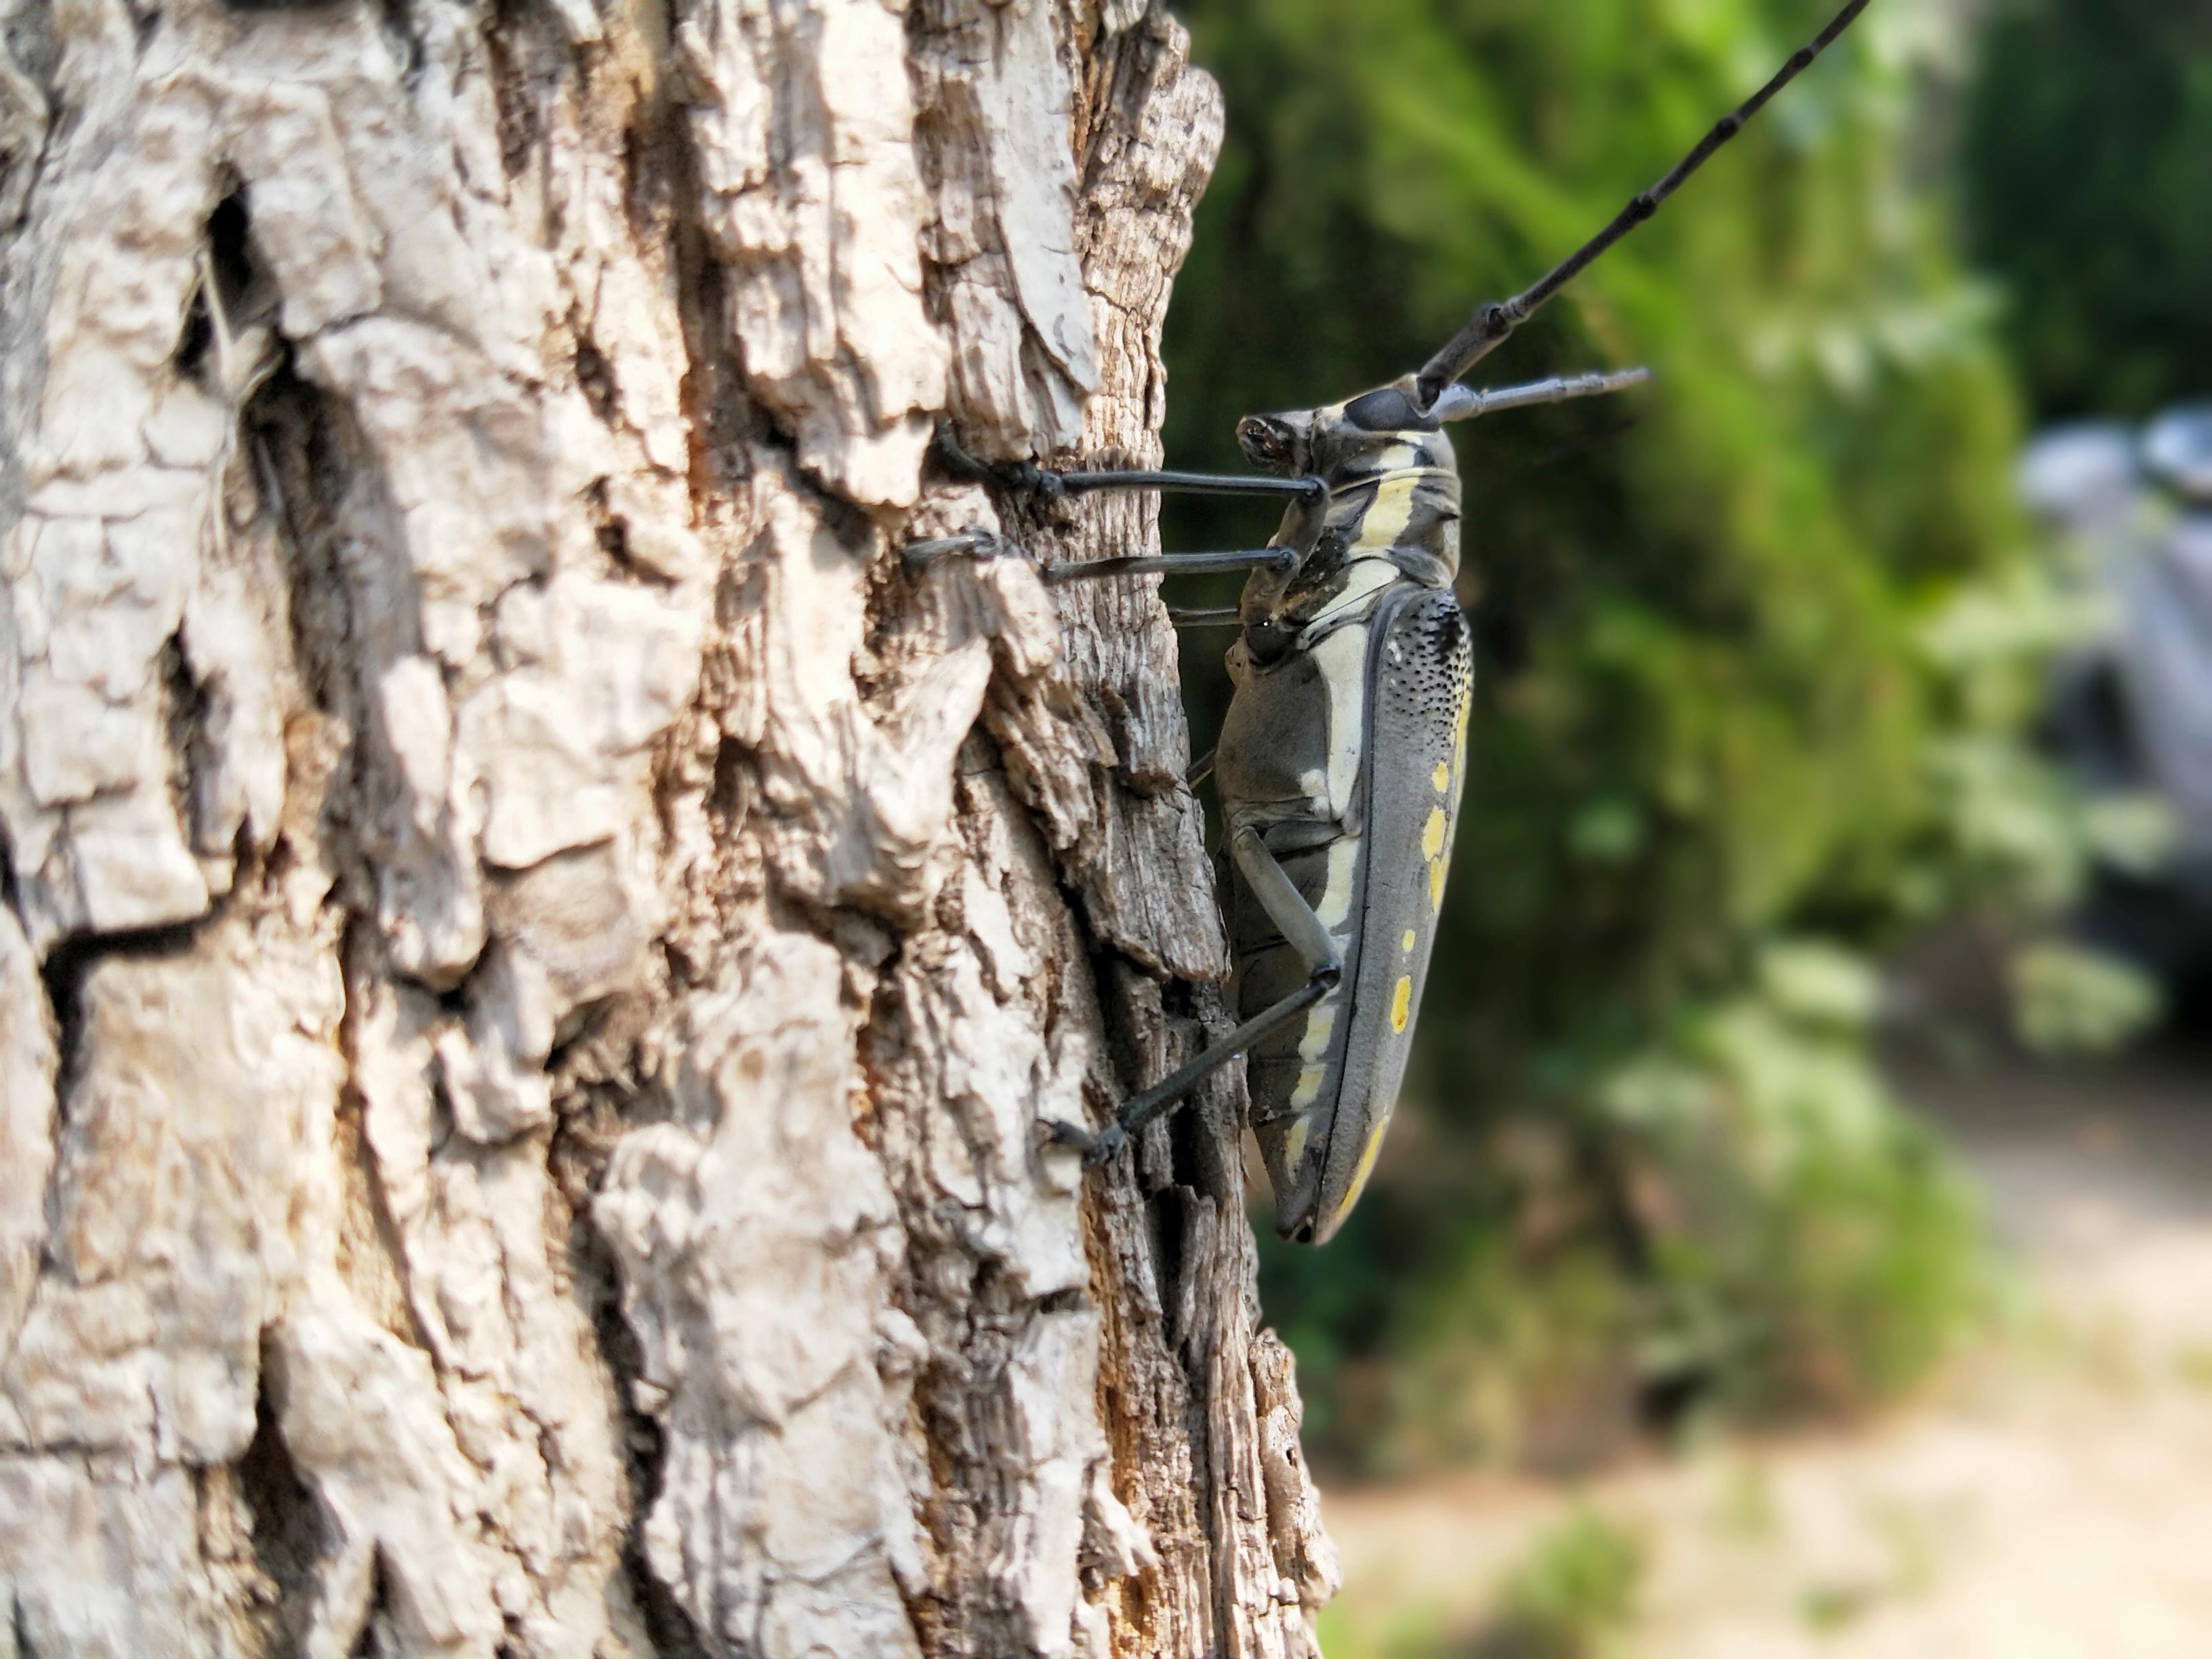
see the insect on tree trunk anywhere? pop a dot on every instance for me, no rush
(533, 948)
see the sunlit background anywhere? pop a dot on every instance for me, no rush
(1798, 1233)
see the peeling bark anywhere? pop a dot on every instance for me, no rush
(534, 952)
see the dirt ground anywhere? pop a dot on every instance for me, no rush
(2051, 1498)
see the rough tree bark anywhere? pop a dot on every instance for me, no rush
(532, 950)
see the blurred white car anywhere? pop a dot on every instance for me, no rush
(2135, 712)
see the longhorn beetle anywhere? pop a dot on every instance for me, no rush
(1341, 762)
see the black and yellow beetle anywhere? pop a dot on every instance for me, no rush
(1341, 762)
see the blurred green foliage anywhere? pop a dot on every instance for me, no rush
(1398, 1630)
(1575, 1590)
(1756, 648)
(1572, 1594)
(2087, 177)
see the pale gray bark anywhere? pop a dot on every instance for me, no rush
(533, 950)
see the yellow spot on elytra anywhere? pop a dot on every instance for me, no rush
(1436, 883)
(1406, 942)
(1432, 833)
(1442, 777)
(1401, 1003)
(1294, 1140)
(1311, 1077)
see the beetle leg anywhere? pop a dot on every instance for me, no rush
(1200, 769)
(1308, 488)
(1324, 961)
(1302, 930)
(1162, 1097)
(1028, 477)
(1172, 564)
(978, 542)
(1226, 616)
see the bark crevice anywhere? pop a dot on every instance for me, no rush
(290, 1533)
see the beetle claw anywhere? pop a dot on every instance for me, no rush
(1058, 1133)
(1018, 477)
(1096, 1149)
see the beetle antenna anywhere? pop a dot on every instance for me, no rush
(1488, 327)
(1463, 403)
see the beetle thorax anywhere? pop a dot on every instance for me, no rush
(1392, 512)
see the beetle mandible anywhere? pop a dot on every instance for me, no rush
(1343, 756)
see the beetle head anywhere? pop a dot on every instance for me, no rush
(1277, 443)
(1342, 438)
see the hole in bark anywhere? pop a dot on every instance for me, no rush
(193, 340)
(230, 265)
(288, 1534)
(229, 254)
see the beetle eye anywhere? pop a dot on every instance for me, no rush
(1388, 410)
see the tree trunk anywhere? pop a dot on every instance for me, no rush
(534, 950)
